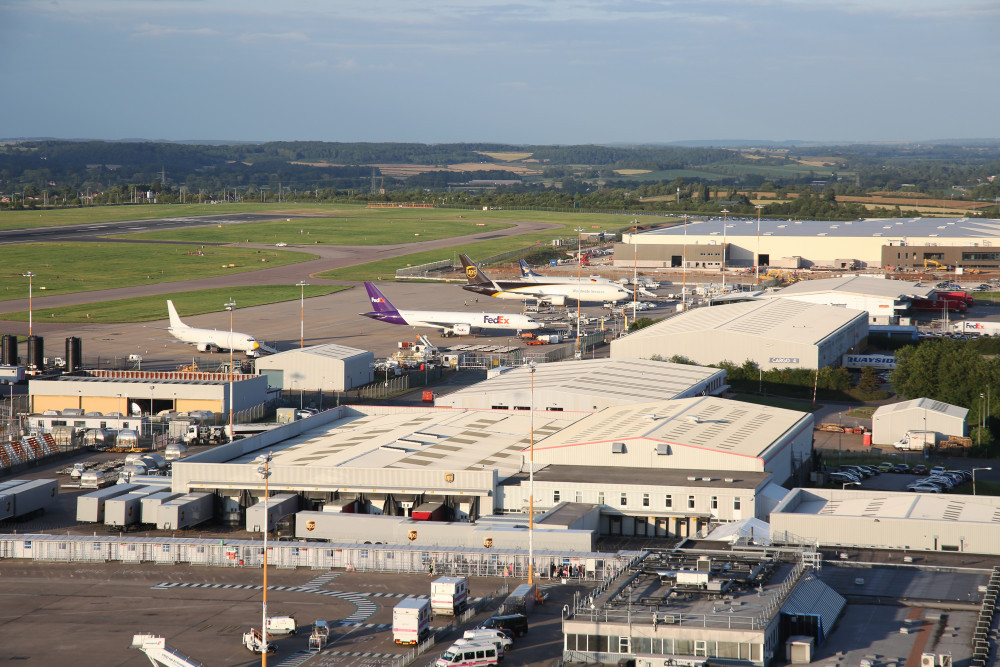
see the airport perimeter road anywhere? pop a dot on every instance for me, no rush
(87, 613)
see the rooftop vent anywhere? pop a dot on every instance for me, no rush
(729, 480)
(692, 478)
(663, 449)
(694, 419)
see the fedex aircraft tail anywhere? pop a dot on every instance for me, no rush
(473, 273)
(526, 271)
(379, 302)
(175, 320)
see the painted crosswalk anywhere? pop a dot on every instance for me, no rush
(296, 659)
(360, 654)
(321, 580)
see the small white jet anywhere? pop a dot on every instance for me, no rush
(209, 340)
(451, 322)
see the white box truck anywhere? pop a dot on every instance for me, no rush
(411, 621)
(915, 440)
(449, 595)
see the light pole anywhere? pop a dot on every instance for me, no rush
(725, 214)
(531, 481)
(29, 275)
(684, 266)
(847, 484)
(231, 306)
(757, 259)
(265, 472)
(979, 433)
(302, 312)
(635, 267)
(974, 478)
(579, 284)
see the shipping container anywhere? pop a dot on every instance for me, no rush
(278, 507)
(184, 512)
(342, 506)
(6, 506)
(429, 512)
(90, 506)
(151, 504)
(124, 510)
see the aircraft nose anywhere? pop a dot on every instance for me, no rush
(256, 345)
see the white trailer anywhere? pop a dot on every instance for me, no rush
(916, 440)
(411, 621)
(125, 510)
(90, 507)
(449, 595)
(7, 497)
(184, 512)
(151, 504)
(34, 495)
(278, 507)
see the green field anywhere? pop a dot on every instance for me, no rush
(197, 302)
(63, 268)
(97, 214)
(349, 228)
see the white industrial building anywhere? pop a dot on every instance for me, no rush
(912, 522)
(891, 422)
(773, 333)
(885, 300)
(327, 367)
(590, 384)
(656, 468)
(831, 244)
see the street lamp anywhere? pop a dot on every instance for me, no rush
(264, 470)
(974, 478)
(725, 214)
(531, 481)
(579, 284)
(29, 275)
(230, 306)
(847, 484)
(302, 312)
(757, 260)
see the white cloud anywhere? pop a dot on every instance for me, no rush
(151, 30)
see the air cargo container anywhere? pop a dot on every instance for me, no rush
(278, 507)
(521, 601)
(184, 512)
(449, 595)
(34, 495)
(92, 479)
(151, 504)
(174, 451)
(411, 621)
(125, 510)
(90, 507)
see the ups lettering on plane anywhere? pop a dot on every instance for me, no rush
(499, 319)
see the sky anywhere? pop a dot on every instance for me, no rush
(515, 71)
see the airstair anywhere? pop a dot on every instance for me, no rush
(159, 653)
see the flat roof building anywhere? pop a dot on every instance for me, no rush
(590, 384)
(884, 300)
(773, 333)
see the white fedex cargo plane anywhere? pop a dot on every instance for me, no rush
(451, 322)
(557, 293)
(208, 340)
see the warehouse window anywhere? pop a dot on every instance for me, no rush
(578, 497)
(498, 407)
(669, 500)
(690, 502)
(555, 496)
(736, 503)
(715, 502)
(645, 500)
(624, 500)
(600, 497)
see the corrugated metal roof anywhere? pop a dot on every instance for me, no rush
(706, 421)
(896, 505)
(862, 285)
(632, 379)
(783, 320)
(928, 404)
(328, 350)
(811, 597)
(889, 228)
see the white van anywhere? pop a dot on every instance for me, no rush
(280, 625)
(468, 655)
(495, 637)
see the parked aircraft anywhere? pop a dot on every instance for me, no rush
(557, 293)
(208, 340)
(451, 322)
(528, 274)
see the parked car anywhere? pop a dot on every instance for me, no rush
(919, 469)
(901, 467)
(885, 466)
(923, 488)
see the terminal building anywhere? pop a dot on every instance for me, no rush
(773, 333)
(851, 244)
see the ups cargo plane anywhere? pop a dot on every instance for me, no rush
(558, 293)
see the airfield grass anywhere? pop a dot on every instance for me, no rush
(196, 302)
(10, 219)
(352, 228)
(63, 268)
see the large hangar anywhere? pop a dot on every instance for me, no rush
(327, 367)
(773, 333)
(834, 244)
(912, 522)
(590, 384)
(891, 422)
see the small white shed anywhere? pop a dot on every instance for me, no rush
(891, 422)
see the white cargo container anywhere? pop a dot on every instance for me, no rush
(33, 495)
(449, 595)
(90, 507)
(184, 512)
(411, 621)
(6, 505)
(278, 507)
(125, 510)
(151, 504)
